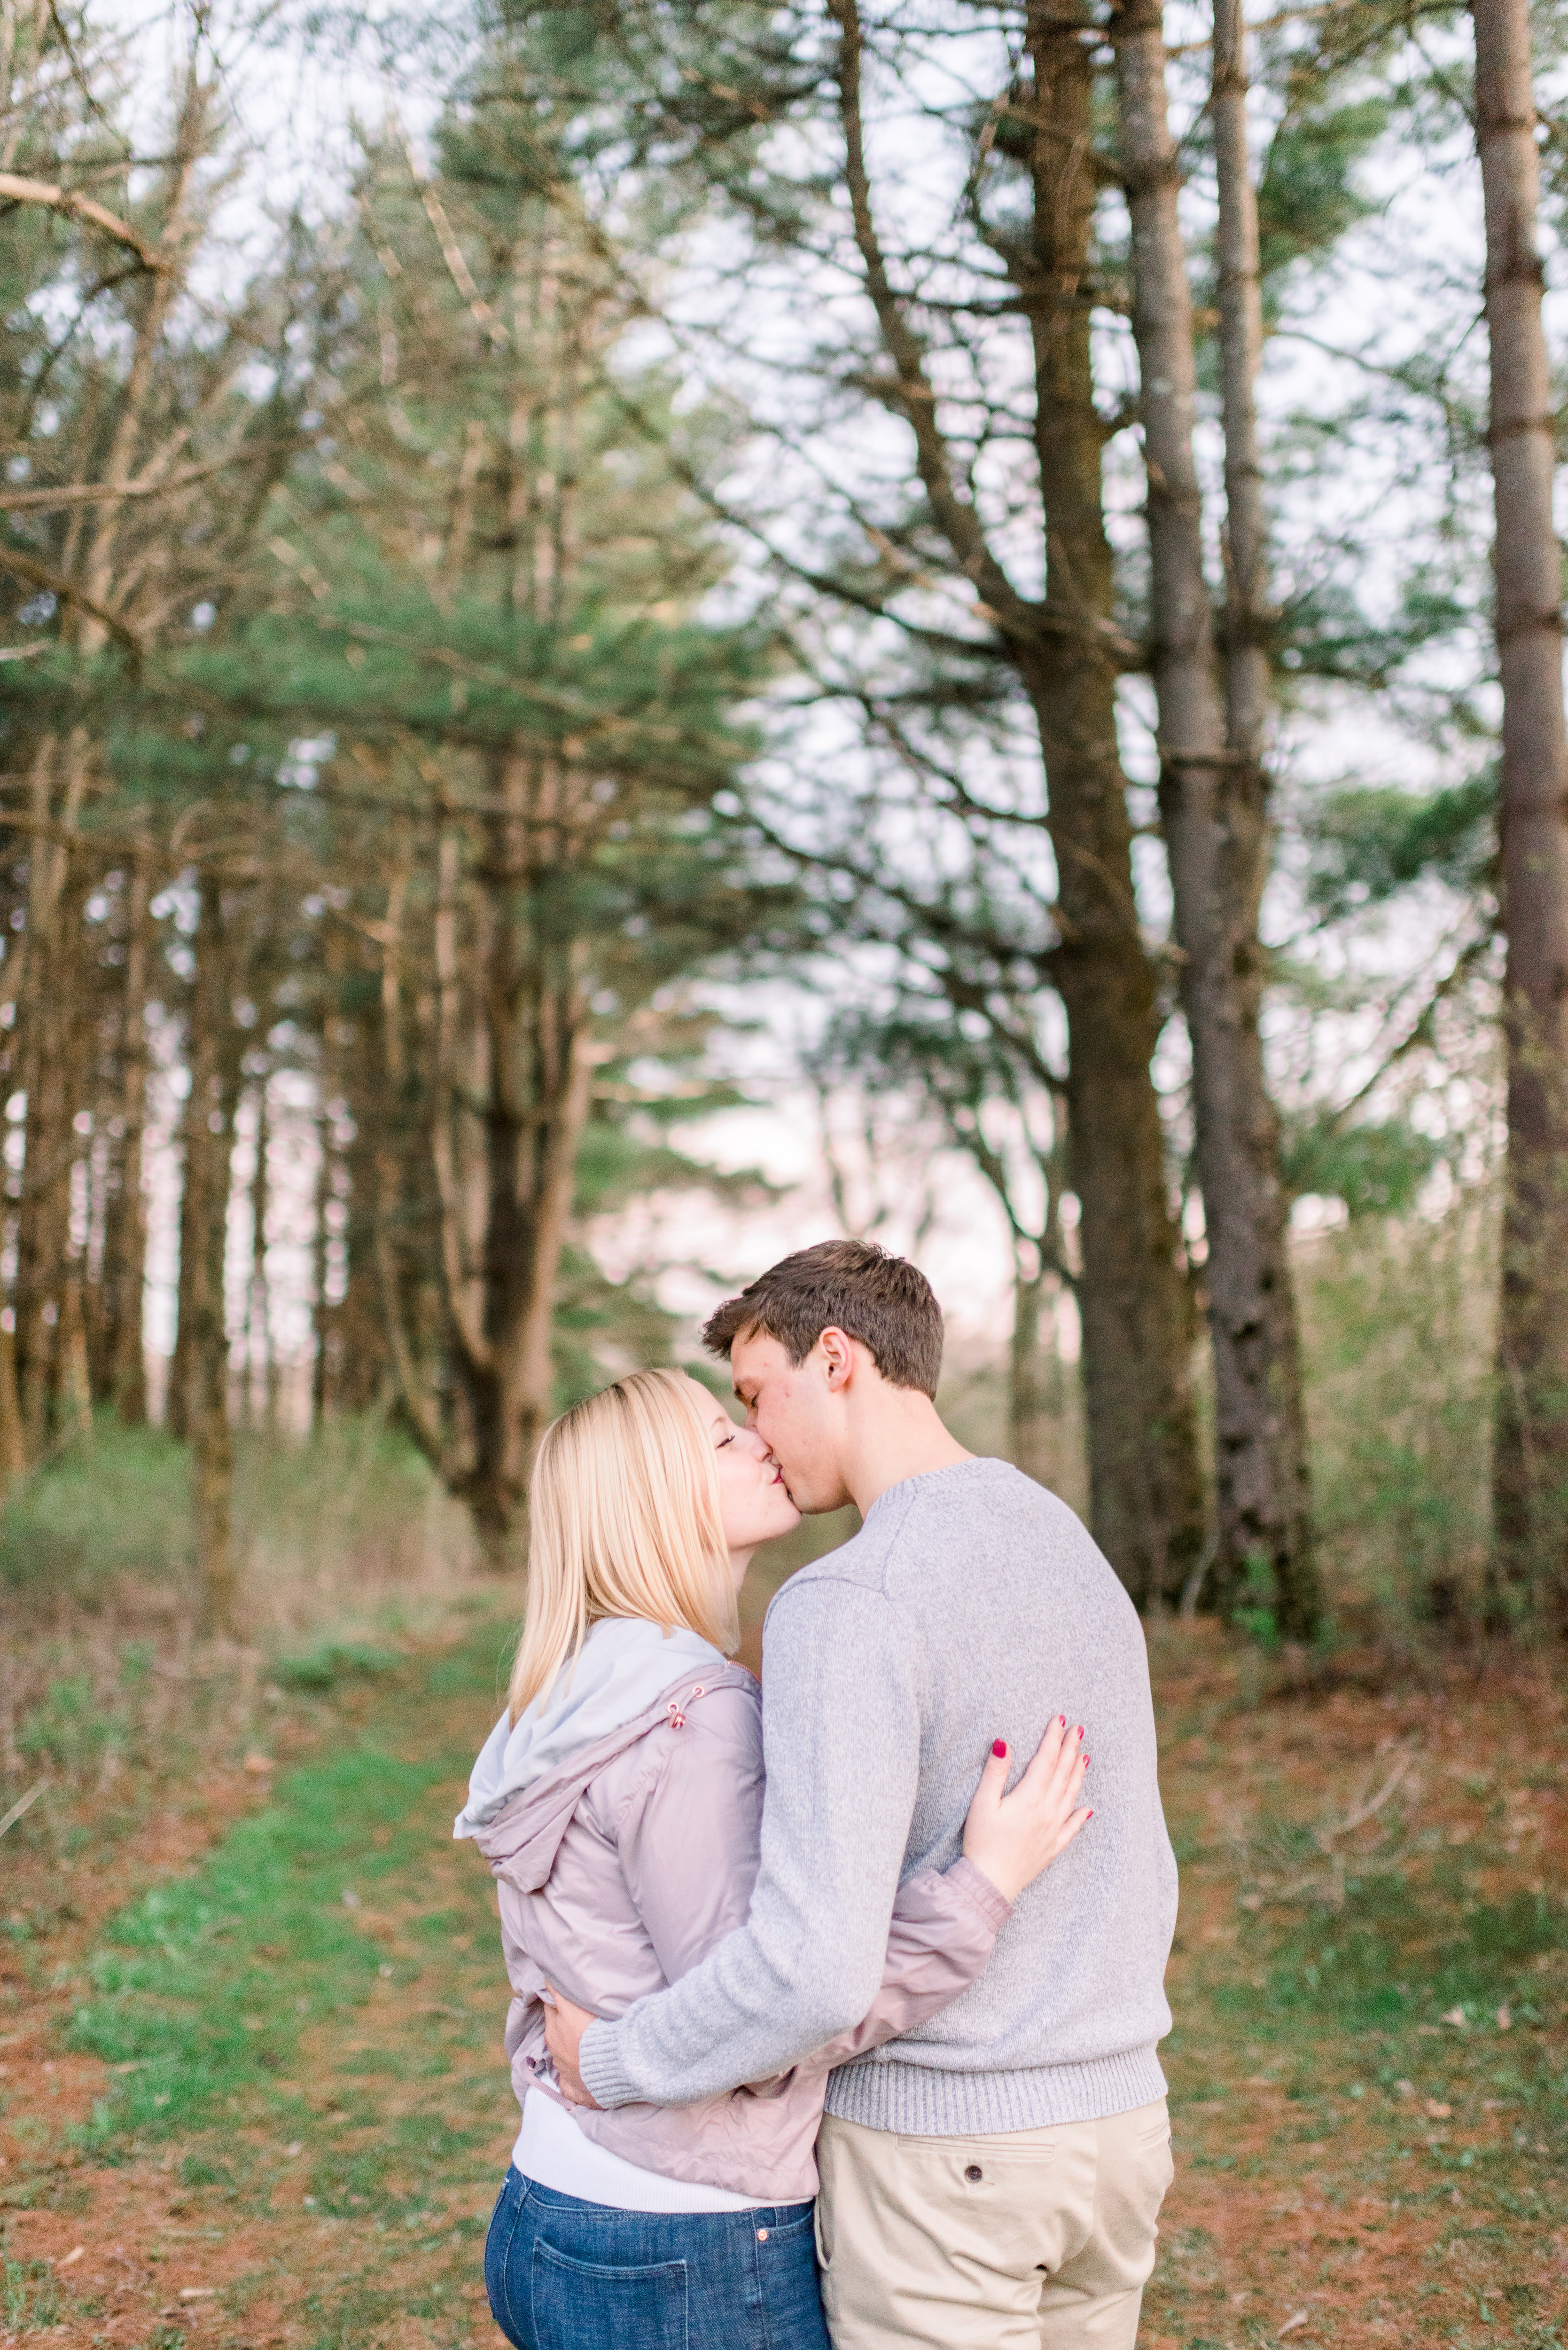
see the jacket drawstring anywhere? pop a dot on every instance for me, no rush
(677, 1718)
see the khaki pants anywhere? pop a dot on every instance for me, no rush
(1039, 2240)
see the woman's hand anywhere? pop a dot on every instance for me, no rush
(1010, 1838)
(563, 2028)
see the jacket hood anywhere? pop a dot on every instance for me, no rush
(623, 1664)
(521, 1836)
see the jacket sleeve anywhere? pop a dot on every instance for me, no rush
(841, 1731)
(944, 1928)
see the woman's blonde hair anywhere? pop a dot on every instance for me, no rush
(624, 1520)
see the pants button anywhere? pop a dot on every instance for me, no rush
(762, 2235)
(974, 2171)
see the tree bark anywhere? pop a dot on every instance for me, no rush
(320, 1311)
(525, 1037)
(12, 1438)
(1266, 1499)
(1146, 1493)
(1145, 1497)
(49, 983)
(1531, 1466)
(1031, 1421)
(214, 1062)
(1214, 816)
(125, 1221)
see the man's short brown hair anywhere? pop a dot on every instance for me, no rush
(850, 1285)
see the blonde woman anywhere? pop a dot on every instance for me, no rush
(619, 1801)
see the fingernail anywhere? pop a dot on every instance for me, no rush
(1080, 1730)
(998, 1747)
(1062, 1720)
(1085, 1761)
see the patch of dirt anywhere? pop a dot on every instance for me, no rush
(1302, 2212)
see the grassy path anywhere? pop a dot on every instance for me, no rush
(258, 2081)
(281, 2114)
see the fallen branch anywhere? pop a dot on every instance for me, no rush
(1326, 1838)
(23, 1804)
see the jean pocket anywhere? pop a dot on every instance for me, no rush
(785, 2231)
(589, 2305)
(497, 2257)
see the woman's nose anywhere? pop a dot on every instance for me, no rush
(754, 1444)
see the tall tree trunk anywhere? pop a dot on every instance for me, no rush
(403, 1284)
(1031, 1422)
(1145, 1490)
(1531, 1470)
(12, 1438)
(320, 1311)
(530, 1042)
(1145, 1486)
(259, 1352)
(74, 1395)
(125, 1221)
(49, 983)
(203, 1233)
(1212, 811)
(192, 1215)
(1265, 1500)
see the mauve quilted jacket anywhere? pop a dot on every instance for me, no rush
(617, 1873)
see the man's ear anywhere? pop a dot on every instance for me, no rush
(838, 1359)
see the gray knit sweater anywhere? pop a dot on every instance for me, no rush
(972, 1605)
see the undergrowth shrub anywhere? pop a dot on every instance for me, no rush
(1397, 1321)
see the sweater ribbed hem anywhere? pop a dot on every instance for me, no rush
(918, 2101)
(600, 2062)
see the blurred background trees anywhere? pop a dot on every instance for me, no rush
(954, 541)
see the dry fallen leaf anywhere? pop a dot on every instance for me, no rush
(258, 1763)
(198, 2292)
(71, 2258)
(1302, 2317)
(1505, 2017)
(1436, 2111)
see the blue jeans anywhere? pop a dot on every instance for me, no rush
(565, 2275)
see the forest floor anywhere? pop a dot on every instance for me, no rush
(252, 2091)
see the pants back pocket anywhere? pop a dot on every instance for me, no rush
(588, 2305)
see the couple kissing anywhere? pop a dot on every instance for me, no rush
(835, 2005)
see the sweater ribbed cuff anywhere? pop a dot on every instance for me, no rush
(602, 2066)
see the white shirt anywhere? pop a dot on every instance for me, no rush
(554, 2152)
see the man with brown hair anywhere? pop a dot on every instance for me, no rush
(994, 2177)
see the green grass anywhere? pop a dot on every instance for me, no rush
(118, 1505)
(29, 2296)
(352, 2147)
(334, 1661)
(186, 1987)
(353, 1507)
(202, 1989)
(1398, 1956)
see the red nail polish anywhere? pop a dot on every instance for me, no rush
(1085, 1761)
(998, 1747)
(1062, 1720)
(1080, 1731)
